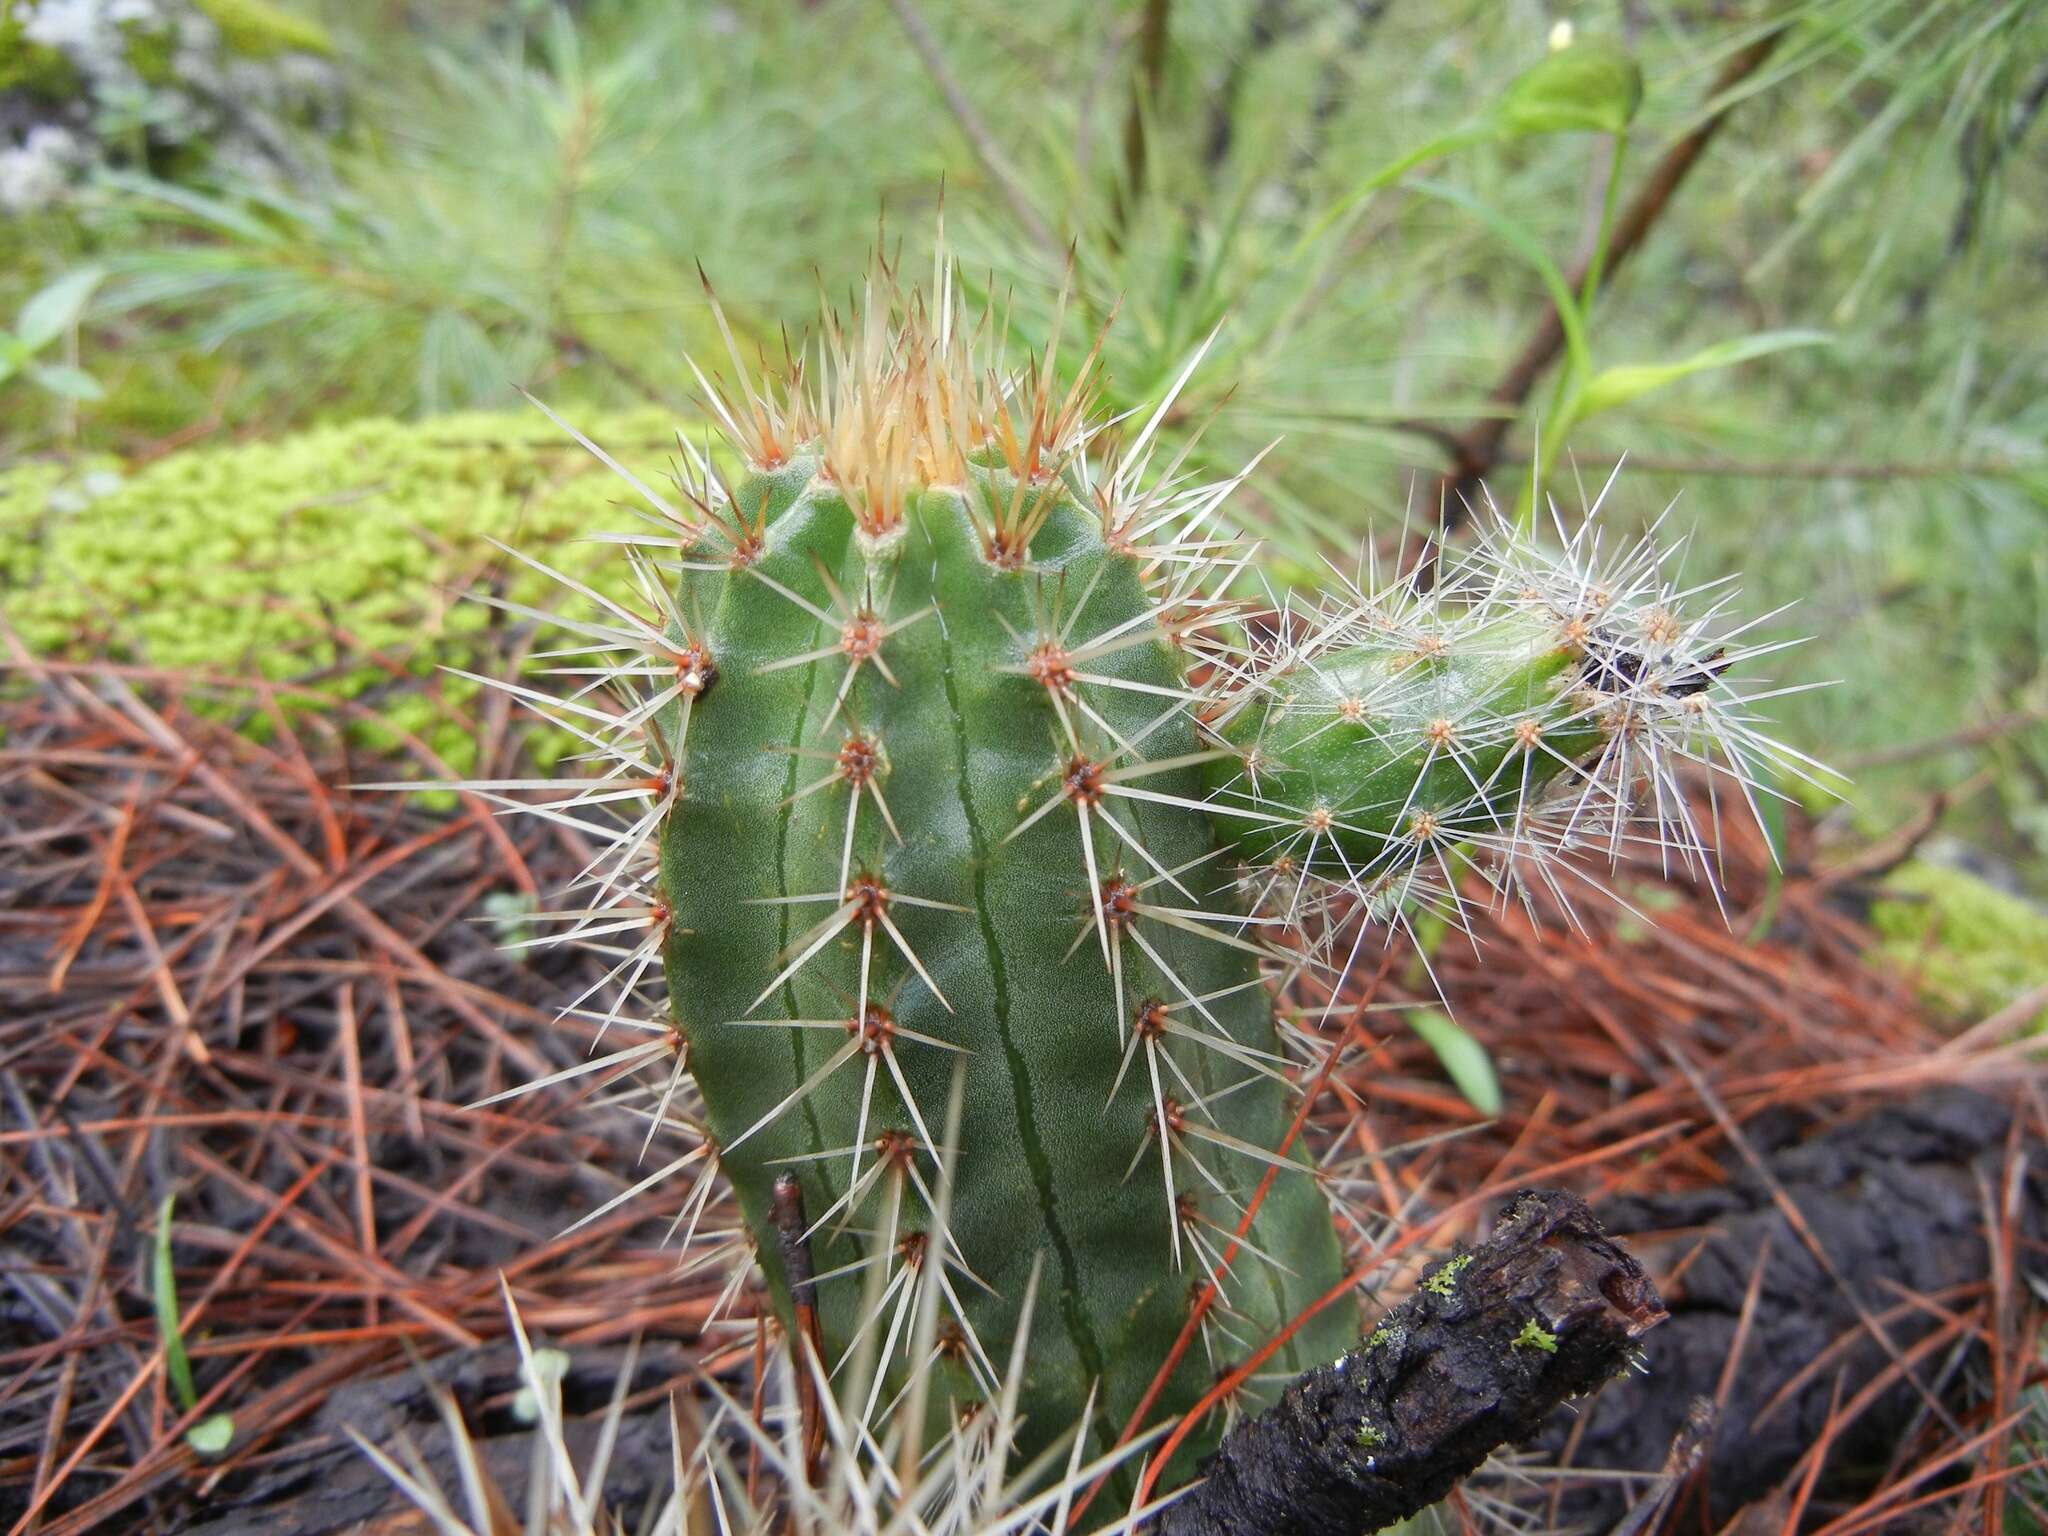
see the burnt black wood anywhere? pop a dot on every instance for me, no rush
(1546, 1309)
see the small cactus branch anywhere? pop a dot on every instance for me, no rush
(1493, 1339)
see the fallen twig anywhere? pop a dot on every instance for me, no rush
(1491, 1342)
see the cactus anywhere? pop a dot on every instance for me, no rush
(963, 785)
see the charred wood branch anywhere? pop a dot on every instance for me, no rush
(1493, 1339)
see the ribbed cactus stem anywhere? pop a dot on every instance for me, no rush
(961, 772)
(909, 844)
(1358, 765)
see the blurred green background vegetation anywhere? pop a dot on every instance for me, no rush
(1824, 361)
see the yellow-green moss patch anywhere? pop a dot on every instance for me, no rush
(1970, 947)
(248, 561)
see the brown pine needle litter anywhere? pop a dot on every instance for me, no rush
(224, 977)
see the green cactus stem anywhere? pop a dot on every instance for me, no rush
(902, 846)
(956, 768)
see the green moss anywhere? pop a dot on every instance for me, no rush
(33, 68)
(25, 492)
(245, 561)
(262, 30)
(1970, 947)
(152, 53)
(1445, 1281)
(1535, 1336)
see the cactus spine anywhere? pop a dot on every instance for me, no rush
(958, 766)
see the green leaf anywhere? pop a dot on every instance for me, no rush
(1619, 385)
(1589, 87)
(1594, 85)
(164, 1288)
(211, 1435)
(1464, 1059)
(50, 312)
(259, 30)
(1518, 239)
(1437, 148)
(63, 379)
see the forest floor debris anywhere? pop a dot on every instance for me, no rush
(226, 978)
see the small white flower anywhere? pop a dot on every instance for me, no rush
(35, 173)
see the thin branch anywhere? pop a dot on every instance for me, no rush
(1332, 81)
(1981, 166)
(973, 127)
(1891, 850)
(1970, 736)
(1268, 19)
(1777, 469)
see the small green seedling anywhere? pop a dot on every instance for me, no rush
(212, 1434)
(44, 320)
